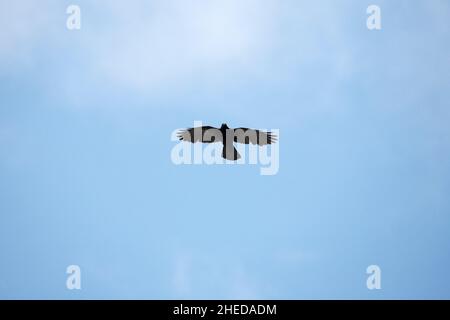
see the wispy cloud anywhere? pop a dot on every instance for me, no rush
(205, 274)
(166, 42)
(181, 279)
(23, 24)
(149, 47)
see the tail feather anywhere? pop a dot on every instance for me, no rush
(230, 153)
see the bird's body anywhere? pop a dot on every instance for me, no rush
(227, 142)
(227, 137)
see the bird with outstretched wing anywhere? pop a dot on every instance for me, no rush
(226, 135)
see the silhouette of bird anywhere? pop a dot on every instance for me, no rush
(227, 136)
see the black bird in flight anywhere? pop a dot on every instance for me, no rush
(227, 136)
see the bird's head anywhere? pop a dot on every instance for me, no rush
(224, 126)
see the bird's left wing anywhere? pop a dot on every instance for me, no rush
(204, 134)
(253, 136)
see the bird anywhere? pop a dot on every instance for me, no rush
(227, 136)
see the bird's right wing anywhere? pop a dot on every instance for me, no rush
(253, 136)
(204, 134)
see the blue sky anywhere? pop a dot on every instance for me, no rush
(86, 176)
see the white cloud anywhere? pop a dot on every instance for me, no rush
(198, 274)
(22, 25)
(181, 275)
(152, 45)
(156, 48)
